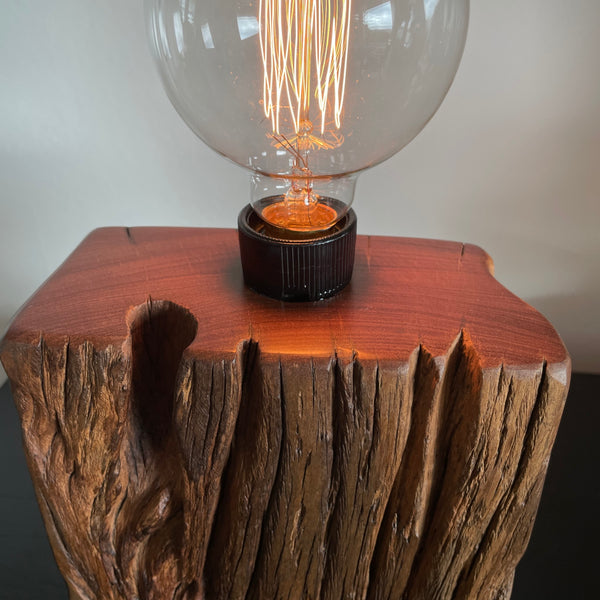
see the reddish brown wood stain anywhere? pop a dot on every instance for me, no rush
(404, 292)
(389, 443)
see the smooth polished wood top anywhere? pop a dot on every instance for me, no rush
(404, 293)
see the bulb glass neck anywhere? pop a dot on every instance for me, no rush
(300, 202)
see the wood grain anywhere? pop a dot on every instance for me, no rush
(190, 439)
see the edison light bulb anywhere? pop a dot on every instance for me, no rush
(306, 93)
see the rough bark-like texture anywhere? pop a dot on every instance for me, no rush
(166, 472)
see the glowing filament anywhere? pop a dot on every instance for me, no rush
(304, 49)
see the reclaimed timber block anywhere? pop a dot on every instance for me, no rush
(189, 439)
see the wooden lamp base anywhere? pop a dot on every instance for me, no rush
(188, 438)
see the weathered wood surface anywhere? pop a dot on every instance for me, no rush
(190, 439)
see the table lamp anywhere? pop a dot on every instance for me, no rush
(189, 439)
(305, 94)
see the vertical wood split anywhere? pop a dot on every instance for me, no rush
(161, 474)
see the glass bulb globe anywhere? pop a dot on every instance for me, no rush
(306, 93)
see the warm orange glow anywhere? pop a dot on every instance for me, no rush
(304, 49)
(300, 216)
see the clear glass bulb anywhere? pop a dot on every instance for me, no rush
(306, 93)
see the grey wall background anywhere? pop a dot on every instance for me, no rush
(510, 162)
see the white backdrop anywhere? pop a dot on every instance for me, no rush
(511, 162)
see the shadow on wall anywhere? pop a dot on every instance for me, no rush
(572, 315)
(5, 320)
